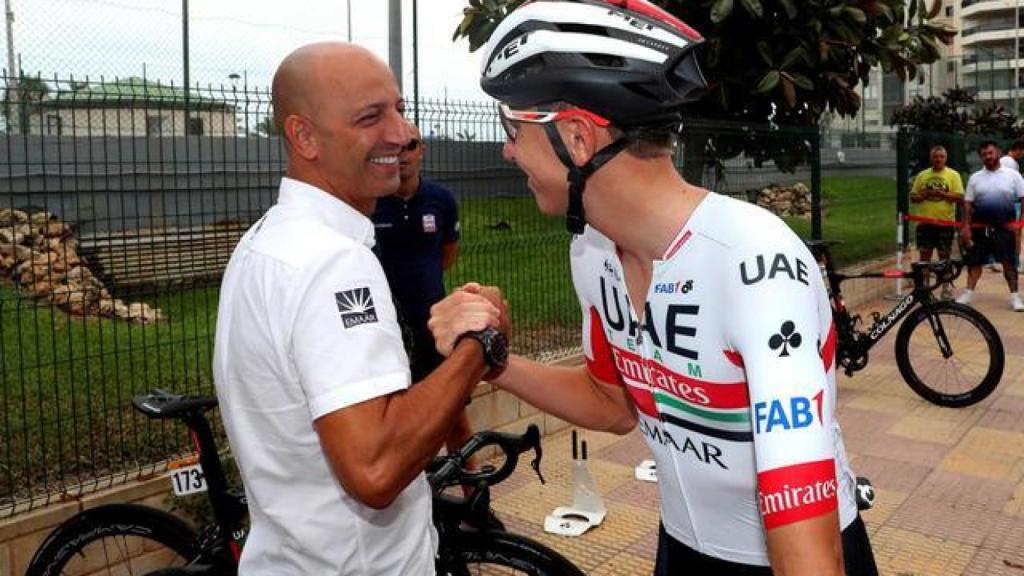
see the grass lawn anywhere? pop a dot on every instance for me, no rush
(67, 382)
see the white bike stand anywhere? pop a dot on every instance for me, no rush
(646, 471)
(587, 508)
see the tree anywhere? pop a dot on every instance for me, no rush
(266, 127)
(777, 62)
(950, 121)
(29, 92)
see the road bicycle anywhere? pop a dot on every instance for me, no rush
(948, 353)
(136, 540)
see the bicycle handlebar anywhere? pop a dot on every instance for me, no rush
(449, 470)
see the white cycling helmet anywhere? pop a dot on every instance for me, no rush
(628, 61)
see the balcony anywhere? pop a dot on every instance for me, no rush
(969, 8)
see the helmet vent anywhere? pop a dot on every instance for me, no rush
(605, 60)
(578, 28)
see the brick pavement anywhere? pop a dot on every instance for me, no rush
(950, 482)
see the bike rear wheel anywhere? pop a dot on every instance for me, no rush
(949, 354)
(118, 538)
(503, 554)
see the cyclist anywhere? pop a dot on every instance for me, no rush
(311, 374)
(704, 319)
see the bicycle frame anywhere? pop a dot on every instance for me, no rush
(853, 344)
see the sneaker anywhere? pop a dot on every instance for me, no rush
(965, 297)
(995, 267)
(947, 293)
(1016, 303)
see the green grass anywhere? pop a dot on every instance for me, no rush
(67, 382)
(859, 211)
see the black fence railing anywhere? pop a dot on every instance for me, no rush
(121, 201)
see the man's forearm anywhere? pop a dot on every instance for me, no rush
(378, 447)
(571, 394)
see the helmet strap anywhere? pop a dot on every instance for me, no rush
(575, 217)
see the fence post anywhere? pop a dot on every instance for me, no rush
(816, 184)
(902, 198)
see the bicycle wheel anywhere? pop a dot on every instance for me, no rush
(501, 554)
(117, 538)
(951, 356)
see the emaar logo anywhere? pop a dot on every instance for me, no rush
(356, 307)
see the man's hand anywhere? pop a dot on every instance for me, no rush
(494, 295)
(460, 312)
(965, 237)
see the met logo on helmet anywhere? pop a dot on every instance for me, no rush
(510, 49)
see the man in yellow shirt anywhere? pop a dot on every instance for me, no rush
(936, 192)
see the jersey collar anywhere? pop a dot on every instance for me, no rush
(328, 209)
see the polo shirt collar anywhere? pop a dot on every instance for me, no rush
(327, 208)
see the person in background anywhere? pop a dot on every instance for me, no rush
(936, 192)
(1012, 161)
(417, 231)
(989, 203)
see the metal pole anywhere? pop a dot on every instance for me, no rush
(415, 63)
(348, 18)
(184, 52)
(1016, 54)
(395, 40)
(816, 184)
(12, 74)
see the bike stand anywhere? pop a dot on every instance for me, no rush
(587, 508)
(647, 471)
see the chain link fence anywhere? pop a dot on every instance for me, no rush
(121, 201)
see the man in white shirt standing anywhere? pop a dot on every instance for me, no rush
(1012, 161)
(311, 374)
(988, 214)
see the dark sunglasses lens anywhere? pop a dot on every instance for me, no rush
(508, 125)
(412, 145)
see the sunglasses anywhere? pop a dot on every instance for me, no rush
(412, 145)
(510, 119)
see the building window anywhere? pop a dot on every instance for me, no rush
(53, 125)
(194, 126)
(154, 125)
(950, 66)
(949, 11)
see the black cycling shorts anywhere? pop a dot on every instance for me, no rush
(676, 558)
(932, 237)
(992, 242)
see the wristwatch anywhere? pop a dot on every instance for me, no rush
(494, 343)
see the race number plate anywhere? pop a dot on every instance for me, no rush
(187, 478)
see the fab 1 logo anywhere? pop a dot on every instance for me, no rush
(794, 414)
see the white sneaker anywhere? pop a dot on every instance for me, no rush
(1016, 303)
(995, 267)
(965, 297)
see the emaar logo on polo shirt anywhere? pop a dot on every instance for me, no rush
(356, 307)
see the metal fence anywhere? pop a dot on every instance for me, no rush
(121, 200)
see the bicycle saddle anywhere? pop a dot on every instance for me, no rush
(162, 404)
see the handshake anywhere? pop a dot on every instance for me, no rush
(469, 308)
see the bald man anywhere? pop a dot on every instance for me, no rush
(312, 378)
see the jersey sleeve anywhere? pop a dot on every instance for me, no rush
(778, 328)
(918, 182)
(346, 341)
(956, 183)
(1018, 185)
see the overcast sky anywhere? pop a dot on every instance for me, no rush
(119, 38)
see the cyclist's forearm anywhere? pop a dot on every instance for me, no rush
(811, 547)
(571, 394)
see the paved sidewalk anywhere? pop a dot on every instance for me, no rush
(950, 482)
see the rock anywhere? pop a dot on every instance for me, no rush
(42, 217)
(53, 229)
(106, 306)
(61, 295)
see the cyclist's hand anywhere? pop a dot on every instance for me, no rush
(460, 312)
(494, 295)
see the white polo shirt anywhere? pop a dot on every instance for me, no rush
(305, 327)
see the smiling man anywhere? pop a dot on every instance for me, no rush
(312, 377)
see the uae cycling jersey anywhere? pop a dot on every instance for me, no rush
(732, 368)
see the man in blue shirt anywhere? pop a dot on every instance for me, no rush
(417, 235)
